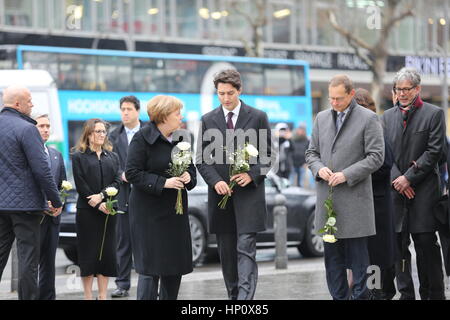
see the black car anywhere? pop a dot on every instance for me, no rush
(300, 204)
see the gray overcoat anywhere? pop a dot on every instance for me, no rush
(357, 150)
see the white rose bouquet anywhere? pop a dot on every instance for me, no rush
(110, 192)
(329, 229)
(240, 164)
(180, 163)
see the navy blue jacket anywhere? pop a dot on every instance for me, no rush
(26, 180)
(58, 172)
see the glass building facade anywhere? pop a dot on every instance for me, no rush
(289, 23)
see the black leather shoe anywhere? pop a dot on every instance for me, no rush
(119, 293)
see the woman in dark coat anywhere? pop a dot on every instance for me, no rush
(95, 168)
(161, 238)
(382, 251)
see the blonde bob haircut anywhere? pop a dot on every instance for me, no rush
(159, 107)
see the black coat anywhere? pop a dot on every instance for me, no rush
(246, 209)
(93, 176)
(119, 141)
(161, 239)
(382, 246)
(422, 143)
(300, 145)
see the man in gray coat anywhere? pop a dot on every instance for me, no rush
(346, 147)
(416, 132)
(245, 213)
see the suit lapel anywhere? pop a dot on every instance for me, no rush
(243, 116)
(53, 162)
(346, 119)
(123, 142)
(219, 119)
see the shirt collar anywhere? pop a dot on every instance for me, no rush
(134, 130)
(235, 110)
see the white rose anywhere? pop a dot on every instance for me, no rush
(251, 150)
(329, 238)
(183, 146)
(66, 185)
(331, 221)
(111, 191)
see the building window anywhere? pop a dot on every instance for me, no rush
(78, 15)
(281, 22)
(186, 17)
(19, 13)
(148, 15)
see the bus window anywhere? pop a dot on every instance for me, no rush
(252, 78)
(148, 75)
(77, 72)
(182, 76)
(43, 61)
(278, 80)
(298, 76)
(114, 73)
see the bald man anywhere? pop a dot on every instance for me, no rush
(26, 183)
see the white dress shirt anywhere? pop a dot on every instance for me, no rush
(130, 132)
(235, 114)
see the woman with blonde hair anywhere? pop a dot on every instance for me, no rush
(161, 238)
(95, 168)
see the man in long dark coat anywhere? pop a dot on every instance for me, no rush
(245, 213)
(416, 132)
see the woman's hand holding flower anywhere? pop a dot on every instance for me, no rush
(174, 183)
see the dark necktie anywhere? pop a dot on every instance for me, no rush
(229, 121)
(339, 121)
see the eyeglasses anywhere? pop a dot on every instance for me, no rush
(337, 99)
(100, 132)
(404, 90)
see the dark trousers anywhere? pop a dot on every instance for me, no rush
(147, 288)
(24, 227)
(124, 252)
(239, 268)
(49, 244)
(429, 269)
(352, 254)
(429, 266)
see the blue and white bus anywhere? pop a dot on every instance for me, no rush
(91, 82)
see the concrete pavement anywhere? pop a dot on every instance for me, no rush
(304, 279)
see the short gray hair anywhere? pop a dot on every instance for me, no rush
(409, 74)
(42, 115)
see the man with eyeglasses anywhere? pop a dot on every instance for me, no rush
(416, 131)
(346, 147)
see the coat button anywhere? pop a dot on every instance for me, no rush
(149, 185)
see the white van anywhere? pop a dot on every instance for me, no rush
(44, 94)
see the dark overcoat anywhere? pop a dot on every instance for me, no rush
(119, 141)
(382, 246)
(417, 150)
(246, 209)
(161, 239)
